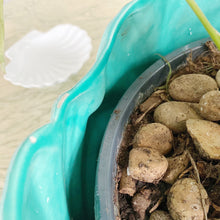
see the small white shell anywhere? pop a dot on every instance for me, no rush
(43, 59)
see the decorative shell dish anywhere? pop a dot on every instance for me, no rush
(43, 59)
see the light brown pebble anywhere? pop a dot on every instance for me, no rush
(210, 106)
(206, 137)
(147, 165)
(154, 135)
(184, 200)
(160, 215)
(174, 115)
(191, 87)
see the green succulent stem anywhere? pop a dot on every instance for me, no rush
(214, 34)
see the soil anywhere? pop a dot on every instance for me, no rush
(209, 170)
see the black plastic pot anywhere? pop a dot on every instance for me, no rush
(105, 200)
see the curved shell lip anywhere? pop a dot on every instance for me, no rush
(35, 85)
(44, 59)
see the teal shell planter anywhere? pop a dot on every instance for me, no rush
(52, 174)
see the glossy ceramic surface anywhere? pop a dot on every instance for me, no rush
(52, 175)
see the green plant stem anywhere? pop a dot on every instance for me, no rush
(2, 37)
(169, 74)
(214, 34)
